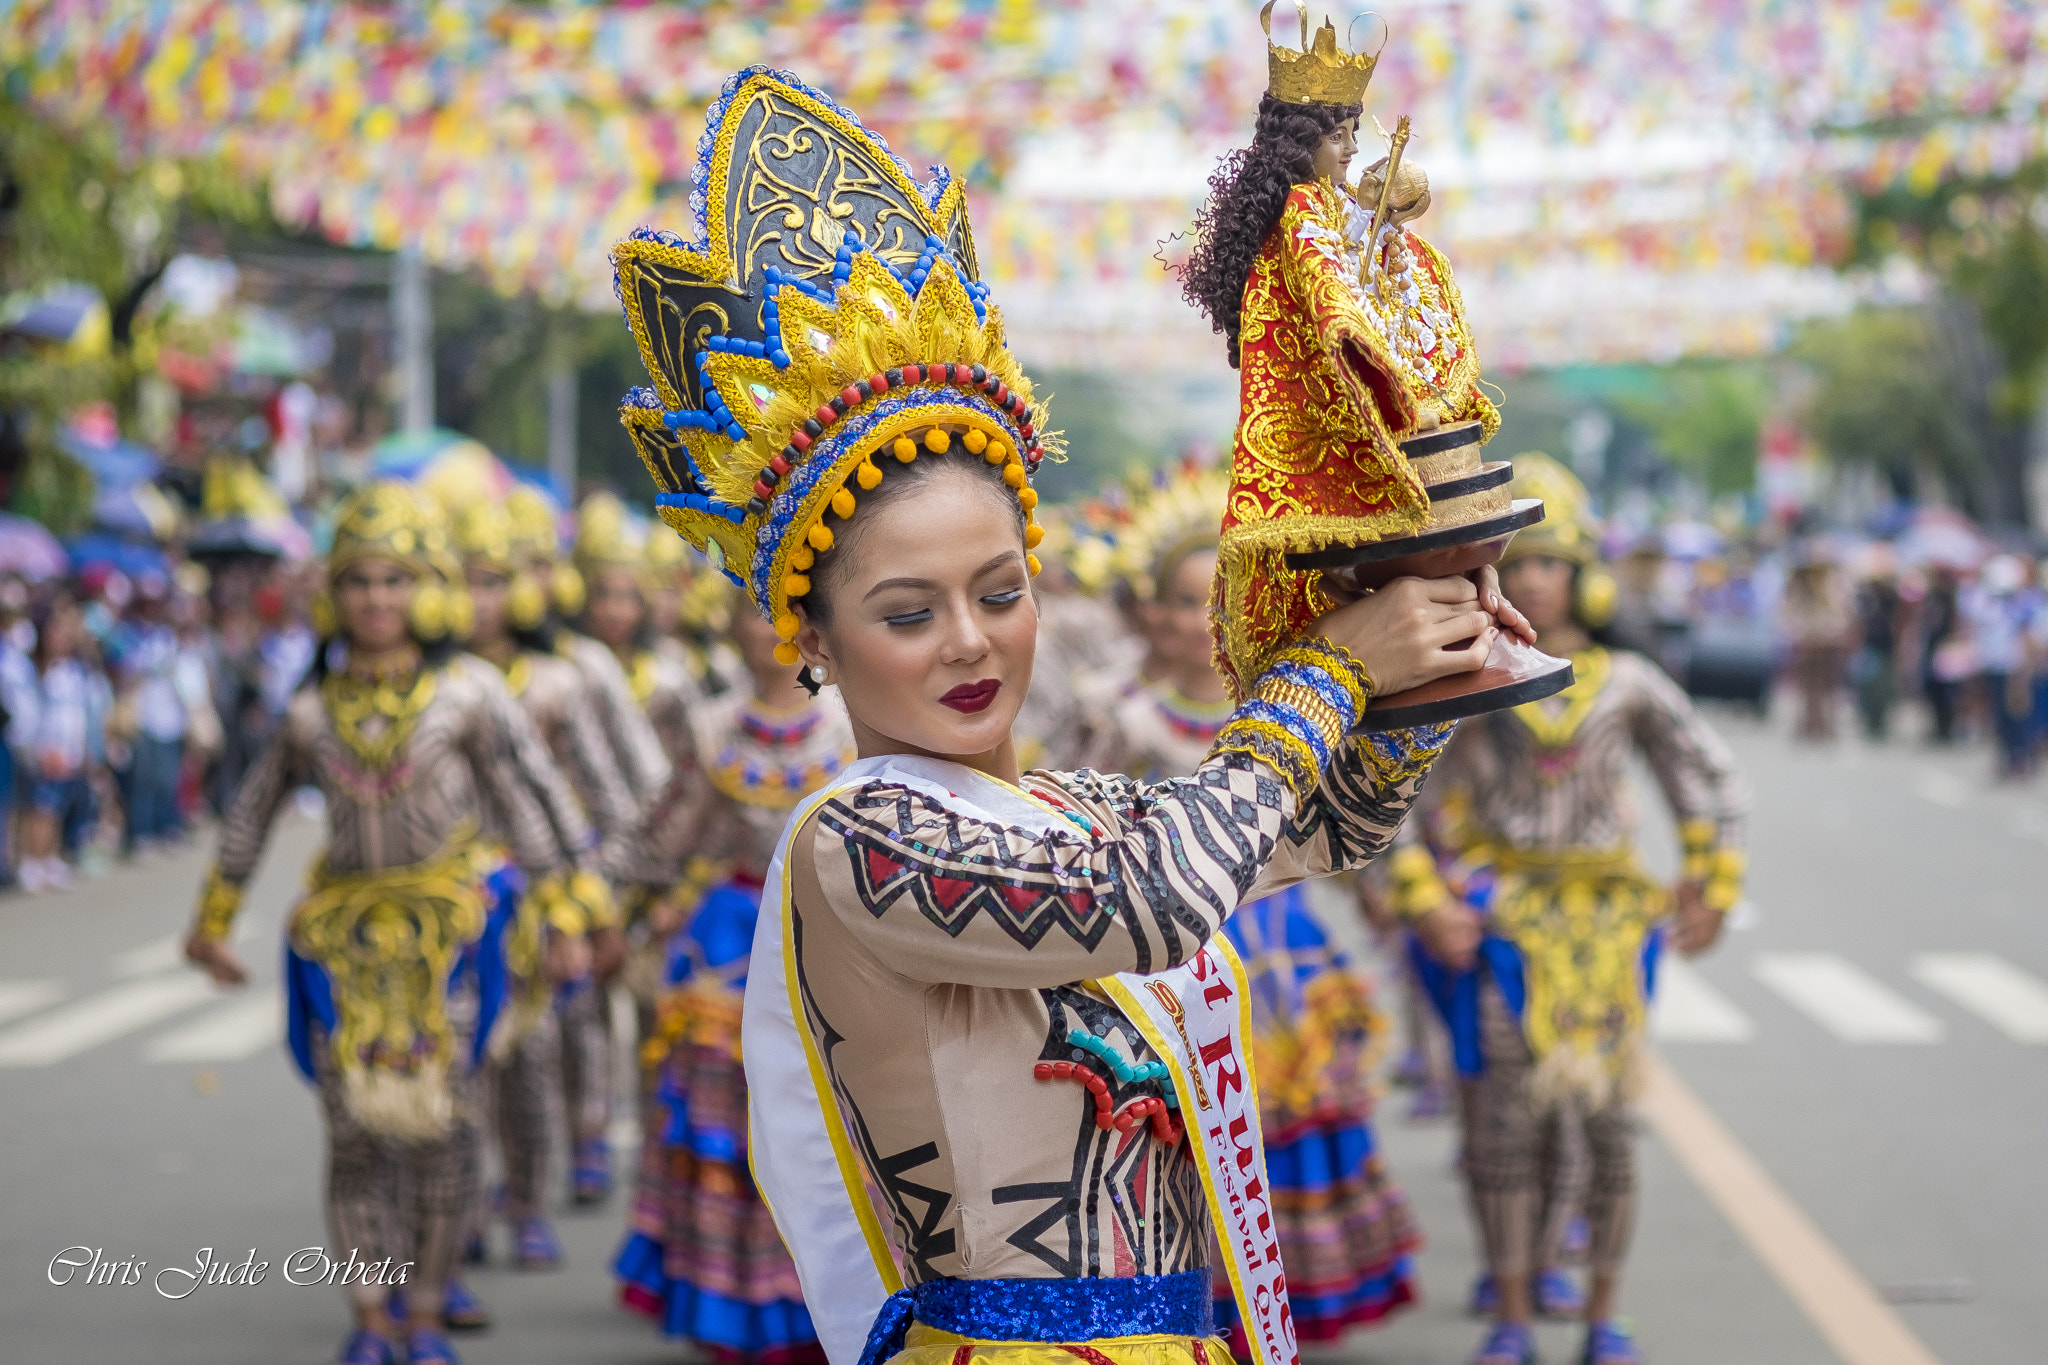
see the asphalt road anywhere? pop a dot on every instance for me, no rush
(1875, 1036)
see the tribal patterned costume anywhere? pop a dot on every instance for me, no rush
(395, 966)
(1534, 826)
(526, 1059)
(703, 1256)
(933, 1035)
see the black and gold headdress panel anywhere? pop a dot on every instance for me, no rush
(829, 312)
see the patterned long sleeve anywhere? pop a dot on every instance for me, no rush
(942, 897)
(1699, 778)
(517, 781)
(280, 769)
(626, 727)
(1693, 765)
(608, 799)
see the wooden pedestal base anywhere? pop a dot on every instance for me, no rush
(1514, 673)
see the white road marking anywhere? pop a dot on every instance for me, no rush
(1845, 1000)
(147, 959)
(1689, 1009)
(26, 997)
(2010, 1000)
(82, 1024)
(228, 1034)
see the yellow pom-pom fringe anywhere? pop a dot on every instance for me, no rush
(1031, 563)
(795, 585)
(905, 449)
(785, 653)
(802, 557)
(868, 474)
(1028, 497)
(820, 536)
(1013, 474)
(938, 440)
(975, 441)
(1032, 535)
(842, 503)
(785, 627)
(996, 453)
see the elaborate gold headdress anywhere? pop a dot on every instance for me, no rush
(1321, 72)
(537, 539)
(829, 310)
(608, 538)
(533, 513)
(483, 534)
(1175, 513)
(395, 521)
(1569, 530)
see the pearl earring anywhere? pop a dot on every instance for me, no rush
(818, 674)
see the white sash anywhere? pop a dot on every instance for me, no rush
(1196, 1016)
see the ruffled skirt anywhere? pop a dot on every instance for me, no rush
(703, 1257)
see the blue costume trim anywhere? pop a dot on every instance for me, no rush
(1086, 1309)
(309, 991)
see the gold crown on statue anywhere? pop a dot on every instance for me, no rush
(1320, 73)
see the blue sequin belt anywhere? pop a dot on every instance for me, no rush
(1085, 1309)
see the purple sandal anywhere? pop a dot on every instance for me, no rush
(365, 1347)
(536, 1246)
(428, 1347)
(462, 1311)
(1608, 1343)
(1509, 1343)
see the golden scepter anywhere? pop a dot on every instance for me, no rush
(1397, 144)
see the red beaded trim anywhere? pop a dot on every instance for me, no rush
(1165, 1127)
(853, 395)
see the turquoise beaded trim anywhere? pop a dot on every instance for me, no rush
(1125, 1072)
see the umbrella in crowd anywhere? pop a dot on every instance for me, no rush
(130, 557)
(239, 538)
(27, 548)
(1943, 537)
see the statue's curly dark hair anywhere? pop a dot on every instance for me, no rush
(1246, 196)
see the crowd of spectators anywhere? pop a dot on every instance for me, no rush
(132, 707)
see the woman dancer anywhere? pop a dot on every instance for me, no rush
(1346, 1232)
(394, 982)
(947, 1048)
(1546, 983)
(511, 631)
(703, 1257)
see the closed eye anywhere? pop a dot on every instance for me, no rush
(1003, 599)
(909, 618)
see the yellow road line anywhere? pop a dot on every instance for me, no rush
(1860, 1326)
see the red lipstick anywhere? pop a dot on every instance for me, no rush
(970, 698)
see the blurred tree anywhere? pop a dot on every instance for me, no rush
(1985, 241)
(1886, 395)
(72, 212)
(1707, 417)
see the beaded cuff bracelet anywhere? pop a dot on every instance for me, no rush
(1298, 712)
(1719, 870)
(219, 903)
